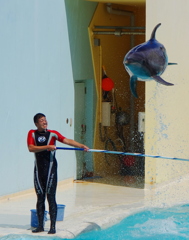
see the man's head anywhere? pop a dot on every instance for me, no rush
(40, 121)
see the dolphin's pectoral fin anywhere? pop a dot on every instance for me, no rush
(133, 84)
(172, 63)
(160, 80)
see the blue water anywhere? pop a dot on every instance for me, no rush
(170, 224)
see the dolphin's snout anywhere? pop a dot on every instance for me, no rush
(126, 62)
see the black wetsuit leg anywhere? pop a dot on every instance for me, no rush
(40, 188)
(51, 197)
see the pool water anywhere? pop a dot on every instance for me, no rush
(170, 224)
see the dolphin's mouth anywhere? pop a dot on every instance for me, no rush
(131, 61)
(128, 61)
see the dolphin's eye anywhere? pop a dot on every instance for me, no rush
(162, 48)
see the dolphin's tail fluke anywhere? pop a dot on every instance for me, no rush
(133, 84)
(160, 80)
(153, 35)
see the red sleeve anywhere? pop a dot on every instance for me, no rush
(30, 138)
(59, 137)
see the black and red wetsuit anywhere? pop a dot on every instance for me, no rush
(45, 172)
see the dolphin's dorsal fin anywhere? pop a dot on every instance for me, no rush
(160, 80)
(153, 35)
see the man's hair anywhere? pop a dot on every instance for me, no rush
(38, 116)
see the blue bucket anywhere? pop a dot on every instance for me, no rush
(60, 212)
(34, 218)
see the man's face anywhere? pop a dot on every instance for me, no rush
(41, 124)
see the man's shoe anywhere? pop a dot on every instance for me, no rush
(52, 231)
(38, 229)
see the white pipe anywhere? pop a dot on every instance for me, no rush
(117, 33)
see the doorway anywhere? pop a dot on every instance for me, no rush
(84, 125)
(113, 31)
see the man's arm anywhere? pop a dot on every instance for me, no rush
(33, 148)
(73, 143)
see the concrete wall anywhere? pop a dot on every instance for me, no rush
(167, 112)
(35, 76)
(79, 15)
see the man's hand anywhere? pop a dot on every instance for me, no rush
(51, 147)
(85, 147)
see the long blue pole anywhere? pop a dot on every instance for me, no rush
(123, 153)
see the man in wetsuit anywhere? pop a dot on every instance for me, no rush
(42, 142)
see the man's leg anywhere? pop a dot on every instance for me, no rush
(40, 206)
(53, 212)
(51, 198)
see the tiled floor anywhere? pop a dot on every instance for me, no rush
(118, 180)
(91, 205)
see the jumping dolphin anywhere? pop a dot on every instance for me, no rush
(147, 61)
